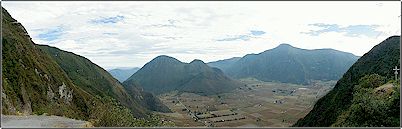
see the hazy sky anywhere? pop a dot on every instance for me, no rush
(129, 34)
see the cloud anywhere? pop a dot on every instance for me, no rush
(51, 34)
(257, 32)
(129, 34)
(236, 37)
(351, 30)
(107, 20)
(172, 38)
(357, 30)
(171, 23)
(106, 33)
(244, 37)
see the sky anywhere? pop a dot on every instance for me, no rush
(131, 33)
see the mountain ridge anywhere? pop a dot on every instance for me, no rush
(165, 73)
(293, 65)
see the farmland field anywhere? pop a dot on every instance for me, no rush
(256, 104)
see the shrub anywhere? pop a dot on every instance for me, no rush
(371, 81)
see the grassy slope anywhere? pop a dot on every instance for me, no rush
(98, 81)
(93, 78)
(379, 60)
(29, 73)
(374, 104)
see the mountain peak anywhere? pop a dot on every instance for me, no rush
(163, 56)
(284, 45)
(197, 61)
(163, 60)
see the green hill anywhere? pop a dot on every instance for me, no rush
(97, 81)
(164, 74)
(353, 101)
(288, 64)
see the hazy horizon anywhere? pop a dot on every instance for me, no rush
(129, 34)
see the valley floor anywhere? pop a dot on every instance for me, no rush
(256, 104)
(34, 121)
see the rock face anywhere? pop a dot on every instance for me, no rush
(50, 94)
(289, 64)
(164, 74)
(65, 93)
(380, 60)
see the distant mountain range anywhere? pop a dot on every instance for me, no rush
(163, 74)
(123, 74)
(357, 99)
(288, 64)
(284, 63)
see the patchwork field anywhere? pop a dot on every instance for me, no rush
(256, 104)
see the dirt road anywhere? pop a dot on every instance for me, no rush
(33, 121)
